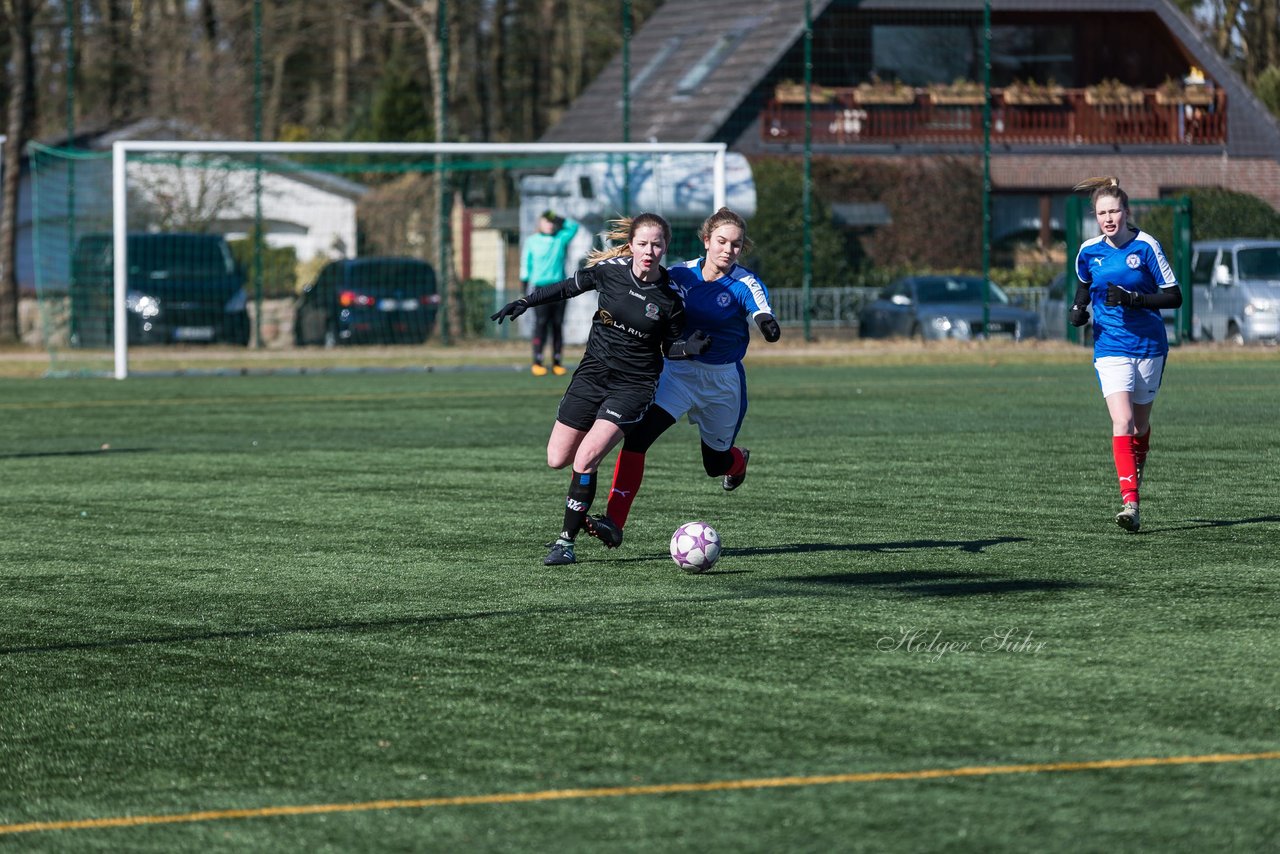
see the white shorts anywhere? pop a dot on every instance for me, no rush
(1139, 377)
(713, 396)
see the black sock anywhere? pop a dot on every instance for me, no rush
(716, 463)
(582, 491)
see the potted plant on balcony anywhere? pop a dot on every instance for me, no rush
(1175, 92)
(877, 91)
(1033, 94)
(1113, 93)
(959, 92)
(791, 92)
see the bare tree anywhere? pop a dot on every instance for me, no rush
(340, 86)
(19, 15)
(425, 17)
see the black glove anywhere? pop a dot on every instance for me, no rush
(697, 343)
(1079, 315)
(1117, 295)
(769, 327)
(511, 310)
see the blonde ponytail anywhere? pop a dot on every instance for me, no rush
(620, 233)
(1106, 185)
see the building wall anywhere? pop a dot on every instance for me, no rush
(1142, 177)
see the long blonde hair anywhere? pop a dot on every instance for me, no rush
(1107, 185)
(725, 216)
(620, 233)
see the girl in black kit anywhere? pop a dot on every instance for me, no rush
(639, 318)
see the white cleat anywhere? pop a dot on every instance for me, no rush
(1128, 517)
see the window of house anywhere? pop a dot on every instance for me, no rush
(920, 55)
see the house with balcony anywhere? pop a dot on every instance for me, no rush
(1077, 88)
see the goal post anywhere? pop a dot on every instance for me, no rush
(162, 256)
(248, 157)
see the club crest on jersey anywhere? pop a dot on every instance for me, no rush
(651, 311)
(1133, 261)
(722, 300)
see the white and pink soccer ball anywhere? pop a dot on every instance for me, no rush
(695, 547)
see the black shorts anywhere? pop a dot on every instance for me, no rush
(597, 392)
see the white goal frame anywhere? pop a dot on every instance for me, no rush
(121, 150)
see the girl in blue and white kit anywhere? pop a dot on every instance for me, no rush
(1126, 280)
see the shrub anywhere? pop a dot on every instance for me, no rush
(940, 198)
(279, 268)
(1268, 88)
(1217, 213)
(477, 304)
(777, 229)
(935, 212)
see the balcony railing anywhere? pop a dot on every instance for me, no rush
(1074, 117)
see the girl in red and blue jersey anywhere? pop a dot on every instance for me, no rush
(1126, 280)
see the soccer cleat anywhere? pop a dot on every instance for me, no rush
(558, 370)
(561, 553)
(538, 370)
(1128, 517)
(605, 530)
(732, 482)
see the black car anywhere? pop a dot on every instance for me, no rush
(375, 300)
(939, 307)
(180, 288)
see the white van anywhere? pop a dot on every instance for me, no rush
(1236, 290)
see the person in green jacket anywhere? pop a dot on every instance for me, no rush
(541, 264)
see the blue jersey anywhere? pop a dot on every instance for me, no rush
(723, 309)
(1139, 266)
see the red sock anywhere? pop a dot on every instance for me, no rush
(628, 471)
(1141, 444)
(1126, 469)
(739, 462)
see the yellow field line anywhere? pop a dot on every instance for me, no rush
(629, 791)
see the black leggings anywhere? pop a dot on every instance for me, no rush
(548, 320)
(656, 421)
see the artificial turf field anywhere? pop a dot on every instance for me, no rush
(309, 613)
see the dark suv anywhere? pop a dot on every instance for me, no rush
(180, 288)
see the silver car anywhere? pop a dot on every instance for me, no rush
(937, 307)
(1236, 290)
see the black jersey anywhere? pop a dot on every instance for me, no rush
(632, 321)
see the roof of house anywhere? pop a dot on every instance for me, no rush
(175, 130)
(754, 35)
(696, 67)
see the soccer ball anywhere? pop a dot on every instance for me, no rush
(695, 546)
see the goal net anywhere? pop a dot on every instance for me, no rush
(186, 256)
